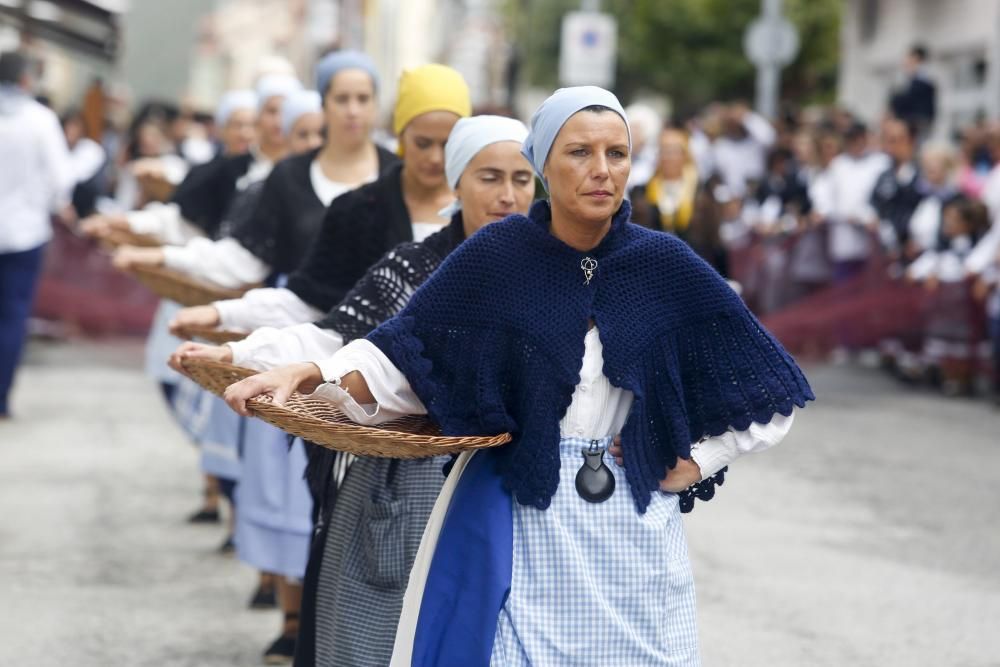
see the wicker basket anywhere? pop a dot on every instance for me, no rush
(215, 376)
(320, 422)
(210, 334)
(119, 237)
(180, 287)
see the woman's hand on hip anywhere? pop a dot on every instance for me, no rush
(681, 476)
(678, 478)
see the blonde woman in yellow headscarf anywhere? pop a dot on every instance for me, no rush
(668, 202)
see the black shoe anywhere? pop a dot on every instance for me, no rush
(228, 547)
(204, 516)
(281, 652)
(264, 599)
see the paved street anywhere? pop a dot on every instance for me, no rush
(870, 537)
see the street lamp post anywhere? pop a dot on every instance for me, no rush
(770, 42)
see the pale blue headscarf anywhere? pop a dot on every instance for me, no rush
(336, 62)
(553, 114)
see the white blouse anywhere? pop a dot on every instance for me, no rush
(268, 347)
(280, 307)
(598, 409)
(421, 230)
(163, 222)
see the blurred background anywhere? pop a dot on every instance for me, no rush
(836, 160)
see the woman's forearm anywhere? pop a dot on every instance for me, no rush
(354, 383)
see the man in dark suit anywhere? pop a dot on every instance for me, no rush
(916, 102)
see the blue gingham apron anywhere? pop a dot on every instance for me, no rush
(589, 584)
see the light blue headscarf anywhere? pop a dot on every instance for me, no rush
(297, 105)
(234, 100)
(336, 62)
(467, 138)
(553, 114)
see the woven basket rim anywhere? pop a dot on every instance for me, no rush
(123, 237)
(338, 435)
(296, 418)
(215, 376)
(181, 287)
(382, 431)
(179, 277)
(211, 334)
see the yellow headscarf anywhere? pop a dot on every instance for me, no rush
(430, 88)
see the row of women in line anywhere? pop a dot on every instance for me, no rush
(432, 285)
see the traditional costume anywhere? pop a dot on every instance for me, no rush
(518, 567)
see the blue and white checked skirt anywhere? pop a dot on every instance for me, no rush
(598, 584)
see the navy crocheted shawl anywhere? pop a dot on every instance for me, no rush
(494, 342)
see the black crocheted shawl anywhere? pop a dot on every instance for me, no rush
(493, 342)
(386, 287)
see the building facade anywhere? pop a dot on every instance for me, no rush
(962, 36)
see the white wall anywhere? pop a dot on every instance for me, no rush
(956, 32)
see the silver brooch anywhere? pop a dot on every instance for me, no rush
(588, 265)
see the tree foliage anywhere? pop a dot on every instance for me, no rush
(689, 50)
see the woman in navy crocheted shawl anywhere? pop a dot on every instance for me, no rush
(568, 327)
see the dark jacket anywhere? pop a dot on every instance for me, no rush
(208, 190)
(896, 196)
(917, 102)
(286, 216)
(359, 227)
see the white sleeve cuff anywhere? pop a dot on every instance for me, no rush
(180, 258)
(265, 307)
(715, 453)
(224, 262)
(393, 395)
(268, 347)
(164, 222)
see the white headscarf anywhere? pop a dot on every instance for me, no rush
(275, 85)
(297, 105)
(468, 137)
(233, 101)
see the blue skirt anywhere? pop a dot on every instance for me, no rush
(274, 522)
(161, 344)
(220, 438)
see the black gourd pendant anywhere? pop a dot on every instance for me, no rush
(594, 481)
